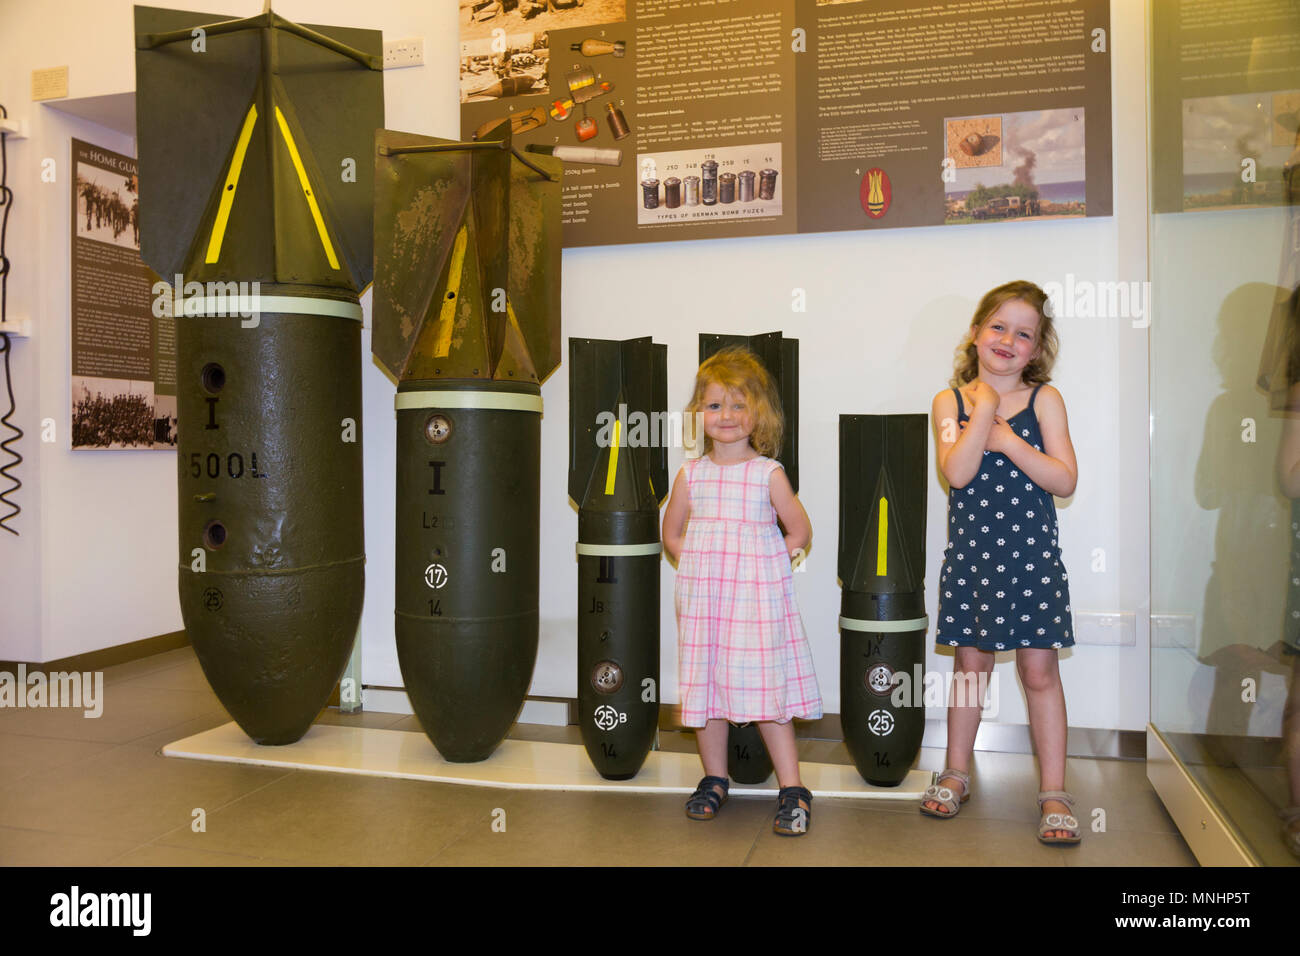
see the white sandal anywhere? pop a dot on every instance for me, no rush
(949, 801)
(1052, 822)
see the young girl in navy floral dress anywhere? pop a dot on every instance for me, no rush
(1003, 445)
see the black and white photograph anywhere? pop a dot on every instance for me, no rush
(108, 206)
(113, 413)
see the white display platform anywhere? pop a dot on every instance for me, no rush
(516, 764)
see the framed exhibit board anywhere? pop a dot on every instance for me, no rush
(1225, 94)
(123, 354)
(713, 118)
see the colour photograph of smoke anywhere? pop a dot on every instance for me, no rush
(1036, 170)
(1235, 148)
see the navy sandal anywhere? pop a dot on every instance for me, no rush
(791, 818)
(705, 802)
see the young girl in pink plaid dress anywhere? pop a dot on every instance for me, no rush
(742, 653)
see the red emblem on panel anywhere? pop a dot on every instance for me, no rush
(875, 193)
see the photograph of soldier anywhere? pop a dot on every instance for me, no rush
(112, 413)
(164, 421)
(108, 206)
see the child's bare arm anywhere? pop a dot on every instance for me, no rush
(798, 529)
(679, 506)
(1053, 469)
(959, 450)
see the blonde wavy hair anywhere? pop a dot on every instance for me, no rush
(737, 369)
(966, 366)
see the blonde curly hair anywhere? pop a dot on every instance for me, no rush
(737, 369)
(966, 366)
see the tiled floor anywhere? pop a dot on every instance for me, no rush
(78, 791)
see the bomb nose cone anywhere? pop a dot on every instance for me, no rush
(273, 647)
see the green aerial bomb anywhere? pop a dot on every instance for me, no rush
(883, 461)
(255, 197)
(618, 477)
(466, 320)
(747, 758)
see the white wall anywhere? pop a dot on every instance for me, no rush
(884, 312)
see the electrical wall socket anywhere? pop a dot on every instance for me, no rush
(400, 53)
(13, 127)
(1115, 628)
(18, 326)
(1173, 630)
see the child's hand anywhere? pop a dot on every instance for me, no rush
(982, 393)
(1001, 437)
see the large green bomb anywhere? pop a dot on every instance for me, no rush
(249, 204)
(466, 314)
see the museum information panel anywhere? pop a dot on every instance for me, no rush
(711, 118)
(1225, 103)
(123, 357)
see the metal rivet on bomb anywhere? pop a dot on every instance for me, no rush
(709, 171)
(746, 178)
(607, 677)
(672, 192)
(727, 188)
(273, 616)
(617, 121)
(767, 184)
(692, 190)
(437, 429)
(650, 193)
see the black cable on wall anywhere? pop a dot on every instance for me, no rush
(6, 471)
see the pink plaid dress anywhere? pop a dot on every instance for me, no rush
(742, 653)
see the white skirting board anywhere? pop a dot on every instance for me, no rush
(516, 764)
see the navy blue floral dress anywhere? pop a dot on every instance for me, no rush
(1003, 584)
